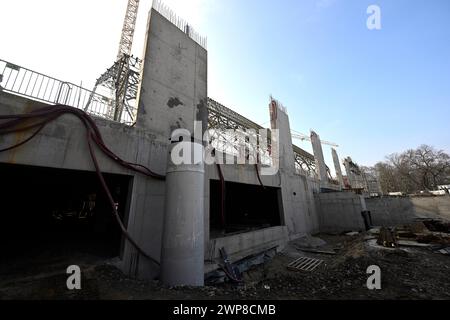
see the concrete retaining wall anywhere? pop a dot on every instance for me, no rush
(401, 210)
(339, 212)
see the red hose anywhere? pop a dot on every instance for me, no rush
(222, 195)
(47, 114)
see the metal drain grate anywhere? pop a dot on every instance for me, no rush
(304, 263)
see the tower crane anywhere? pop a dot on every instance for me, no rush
(304, 137)
(129, 25)
(122, 78)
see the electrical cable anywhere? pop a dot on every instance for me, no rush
(222, 195)
(44, 116)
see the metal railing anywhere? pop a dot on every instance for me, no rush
(31, 84)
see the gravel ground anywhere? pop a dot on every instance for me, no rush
(407, 273)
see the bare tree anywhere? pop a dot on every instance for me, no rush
(425, 167)
(421, 169)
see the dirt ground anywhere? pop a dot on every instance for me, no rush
(406, 273)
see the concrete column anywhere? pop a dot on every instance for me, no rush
(182, 256)
(337, 167)
(350, 178)
(320, 161)
(279, 120)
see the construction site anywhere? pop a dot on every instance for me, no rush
(89, 178)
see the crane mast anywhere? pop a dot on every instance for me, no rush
(129, 25)
(122, 78)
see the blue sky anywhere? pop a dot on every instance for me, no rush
(374, 92)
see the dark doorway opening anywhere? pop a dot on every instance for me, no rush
(246, 208)
(57, 217)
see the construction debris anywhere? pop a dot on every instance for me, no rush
(230, 270)
(427, 233)
(240, 267)
(445, 251)
(387, 237)
(408, 243)
(324, 251)
(304, 264)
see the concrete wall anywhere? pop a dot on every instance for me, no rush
(241, 245)
(297, 192)
(172, 95)
(173, 92)
(339, 212)
(62, 144)
(400, 210)
(299, 215)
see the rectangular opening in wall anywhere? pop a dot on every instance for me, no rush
(57, 217)
(246, 208)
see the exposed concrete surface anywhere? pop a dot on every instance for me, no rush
(320, 161)
(172, 95)
(337, 167)
(240, 245)
(300, 214)
(183, 245)
(400, 210)
(173, 90)
(62, 144)
(339, 212)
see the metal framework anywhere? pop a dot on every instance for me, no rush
(233, 134)
(122, 78)
(221, 118)
(129, 25)
(305, 162)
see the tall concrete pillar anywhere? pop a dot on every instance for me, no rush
(337, 167)
(320, 161)
(350, 178)
(182, 254)
(172, 95)
(279, 120)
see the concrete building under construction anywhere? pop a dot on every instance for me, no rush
(172, 218)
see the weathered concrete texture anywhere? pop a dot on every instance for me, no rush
(173, 90)
(394, 211)
(62, 144)
(300, 214)
(241, 245)
(183, 242)
(320, 160)
(337, 167)
(339, 212)
(172, 95)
